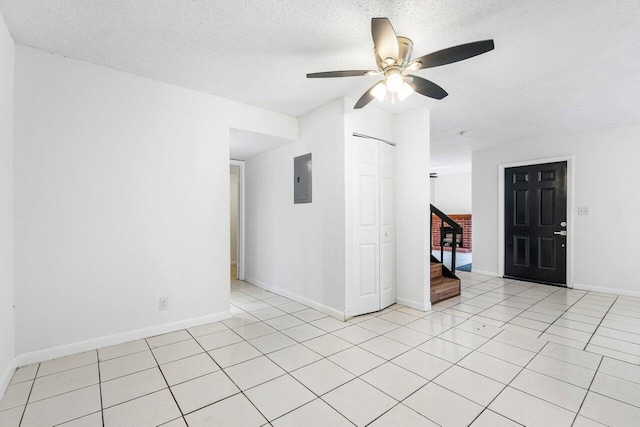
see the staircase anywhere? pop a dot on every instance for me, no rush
(442, 287)
(444, 282)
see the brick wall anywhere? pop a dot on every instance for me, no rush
(465, 222)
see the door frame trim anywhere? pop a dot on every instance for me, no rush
(240, 264)
(570, 214)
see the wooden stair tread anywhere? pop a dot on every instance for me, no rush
(444, 281)
(443, 288)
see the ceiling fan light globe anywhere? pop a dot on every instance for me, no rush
(394, 82)
(404, 91)
(416, 65)
(379, 91)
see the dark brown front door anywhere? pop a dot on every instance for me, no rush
(535, 223)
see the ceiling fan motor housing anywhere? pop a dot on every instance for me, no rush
(405, 49)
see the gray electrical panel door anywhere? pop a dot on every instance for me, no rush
(302, 179)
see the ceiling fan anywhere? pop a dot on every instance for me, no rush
(393, 58)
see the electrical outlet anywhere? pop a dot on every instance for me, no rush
(583, 211)
(164, 303)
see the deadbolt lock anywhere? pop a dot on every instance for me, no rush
(563, 224)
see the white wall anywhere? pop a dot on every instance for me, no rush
(432, 191)
(304, 251)
(298, 249)
(452, 193)
(233, 190)
(412, 135)
(7, 340)
(605, 175)
(118, 183)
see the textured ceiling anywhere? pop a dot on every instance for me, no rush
(559, 67)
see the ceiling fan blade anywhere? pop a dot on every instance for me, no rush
(347, 73)
(366, 98)
(455, 54)
(427, 88)
(385, 40)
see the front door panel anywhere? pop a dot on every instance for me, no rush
(535, 211)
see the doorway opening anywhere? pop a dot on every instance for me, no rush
(236, 218)
(535, 221)
(451, 194)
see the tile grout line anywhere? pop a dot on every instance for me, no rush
(128, 400)
(506, 299)
(441, 373)
(614, 398)
(163, 377)
(399, 326)
(355, 376)
(588, 390)
(566, 310)
(64, 370)
(330, 361)
(24, 411)
(378, 334)
(499, 302)
(559, 317)
(399, 402)
(317, 396)
(61, 394)
(100, 389)
(230, 379)
(509, 383)
(618, 339)
(600, 323)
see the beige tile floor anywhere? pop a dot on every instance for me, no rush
(504, 353)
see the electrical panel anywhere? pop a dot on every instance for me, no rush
(302, 179)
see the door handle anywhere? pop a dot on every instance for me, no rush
(562, 233)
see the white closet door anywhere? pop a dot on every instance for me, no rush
(387, 226)
(366, 227)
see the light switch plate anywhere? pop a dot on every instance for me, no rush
(583, 211)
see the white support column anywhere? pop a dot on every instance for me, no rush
(412, 136)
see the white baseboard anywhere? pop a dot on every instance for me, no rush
(413, 304)
(5, 379)
(606, 290)
(484, 272)
(297, 298)
(93, 344)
